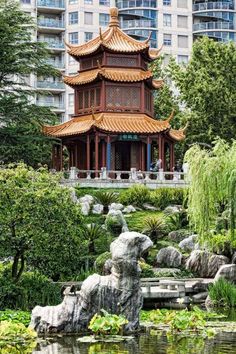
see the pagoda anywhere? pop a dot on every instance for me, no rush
(113, 124)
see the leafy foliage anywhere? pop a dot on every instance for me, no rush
(105, 198)
(162, 197)
(15, 316)
(207, 87)
(32, 289)
(223, 293)
(21, 120)
(146, 270)
(38, 222)
(213, 185)
(107, 324)
(91, 233)
(136, 195)
(177, 220)
(154, 226)
(100, 261)
(16, 338)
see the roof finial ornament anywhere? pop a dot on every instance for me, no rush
(149, 37)
(100, 34)
(185, 127)
(114, 22)
(171, 115)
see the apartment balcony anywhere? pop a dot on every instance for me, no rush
(50, 6)
(58, 64)
(206, 26)
(55, 106)
(54, 86)
(138, 24)
(125, 4)
(50, 25)
(213, 6)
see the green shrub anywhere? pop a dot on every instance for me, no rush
(15, 338)
(177, 221)
(114, 224)
(223, 293)
(15, 316)
(105, 198)
(146, 270)
(162, 197)
(100, 261)
(107, 323)
(154, 226)
(31, 290)
(222, 244)
(136, 195)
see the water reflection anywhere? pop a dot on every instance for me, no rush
(143, 344)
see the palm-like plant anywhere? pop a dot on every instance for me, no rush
(177, 220)
(91, 233)
(106, 198)
(154, 226)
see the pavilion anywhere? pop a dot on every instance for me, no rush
(113, 124)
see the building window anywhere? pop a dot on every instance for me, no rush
(71, 99)
(182, 59)
(88, 18)
(183, 41)
(167, 39)
(73, 18)
(166, 2)
(88, 36)
(74, 38)
(88, 2)
(166, 20)
(89, 98)
(104, 2)
(182, 4)
(71, 2)
(103, 20)
(182, 21)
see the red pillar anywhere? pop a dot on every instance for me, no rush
(88, 152)
(96, 153)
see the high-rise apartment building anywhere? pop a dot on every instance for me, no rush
(171, 23)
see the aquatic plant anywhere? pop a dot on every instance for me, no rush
(15, 316)
(223, 293)
(106, 323)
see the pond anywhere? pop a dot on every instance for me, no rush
(143, 344)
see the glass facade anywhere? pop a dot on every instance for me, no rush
(216, 19)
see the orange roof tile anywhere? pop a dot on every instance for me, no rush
(109, 122)
(115, 40)
(114, 74)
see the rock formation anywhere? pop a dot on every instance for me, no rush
(117, 293)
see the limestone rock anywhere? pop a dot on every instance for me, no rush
(118, 293)
(129, 209)
(85, 208)
(172, 209)
(205, 264)
(97, 209)
(227, 271)
(178, 235)
(169, 257)
(107, 267)
(147, 206)
(116, 219)
(86, 199)
(167, 272)
(199, 298)
(116, 206)
(234, 258)
(188, 244)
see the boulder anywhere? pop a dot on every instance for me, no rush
(129, 209)
(166, 272)
(115, 219)
(86, 199)
(172, 209)
(205, 264)
(85, 208)
(116, 206)
(147, 206)
(97, 209)
(107, 267)
(199, 298)
(188, 244)
(178, 235)
(227, 271)
(169, 257)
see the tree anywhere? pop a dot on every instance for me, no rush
(21, 120)
(39, 222)
(207, 87)
(212, 188)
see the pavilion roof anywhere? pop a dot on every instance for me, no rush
(113, 123)
(115, 40)
(113, 74)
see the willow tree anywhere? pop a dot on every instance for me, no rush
(212, 188)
